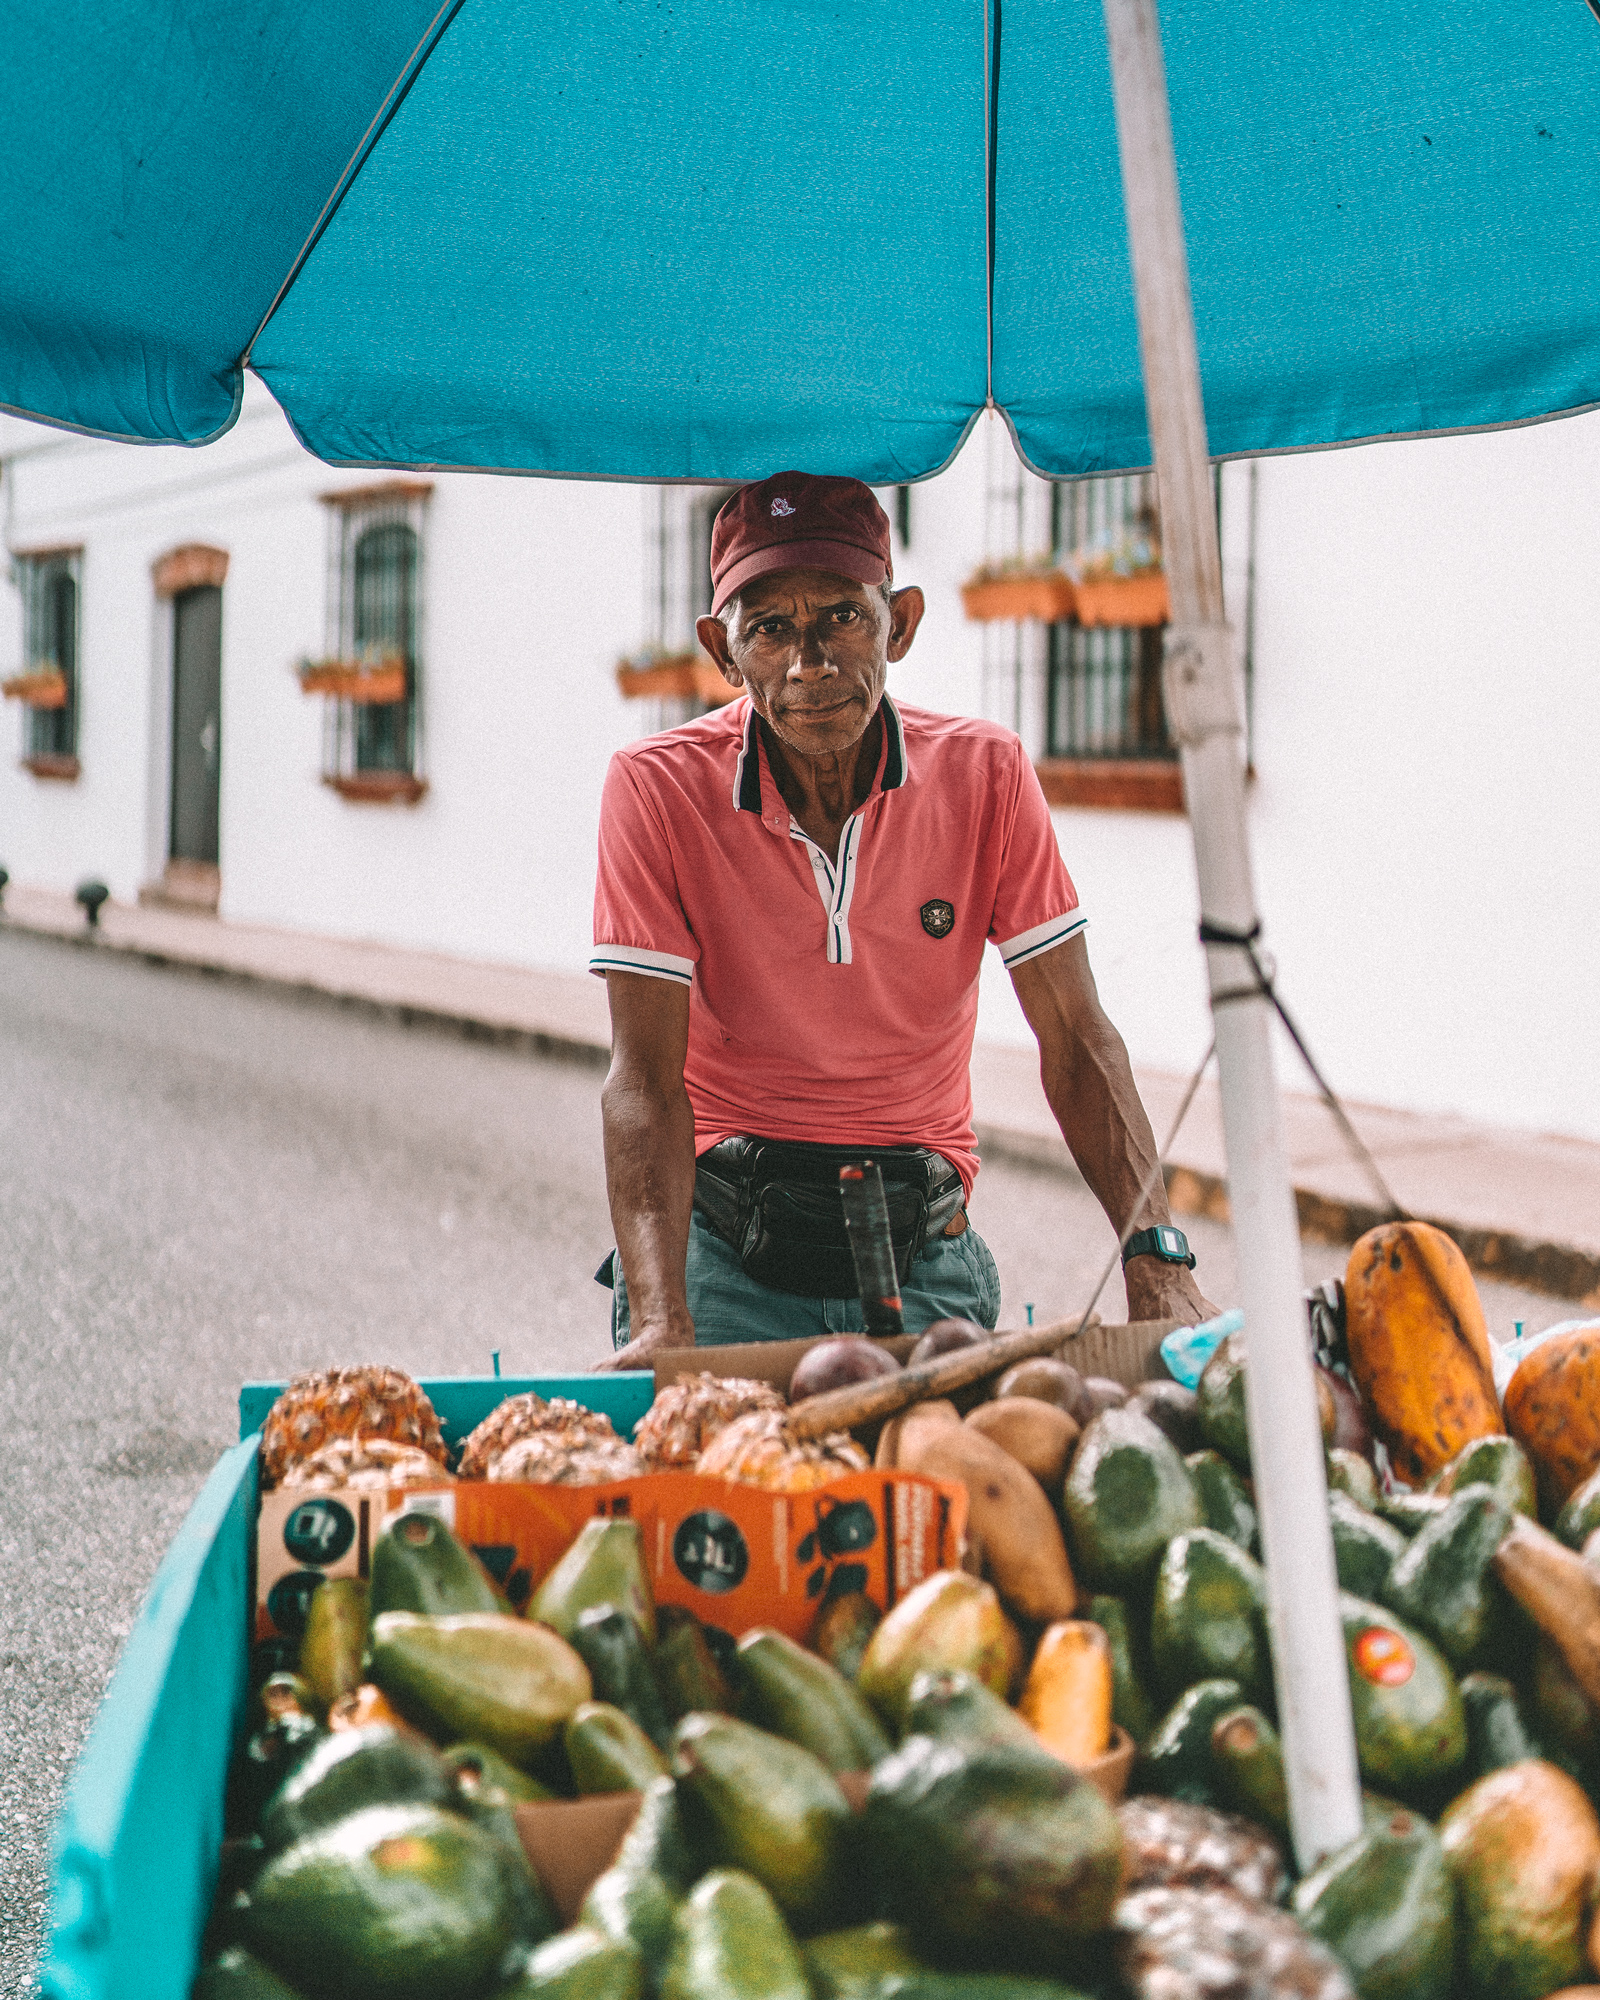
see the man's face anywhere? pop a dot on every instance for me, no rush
(813, 650)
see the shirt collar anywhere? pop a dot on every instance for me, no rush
(894, 767)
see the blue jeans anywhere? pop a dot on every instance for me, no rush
(954, 1278)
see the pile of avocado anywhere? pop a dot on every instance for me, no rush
(1475, 1871)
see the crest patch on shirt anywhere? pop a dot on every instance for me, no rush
(938, 917)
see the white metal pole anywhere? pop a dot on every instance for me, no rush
(1206, 711)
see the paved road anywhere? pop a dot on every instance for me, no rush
(203, 1182)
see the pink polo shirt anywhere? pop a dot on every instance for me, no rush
(829, 1001)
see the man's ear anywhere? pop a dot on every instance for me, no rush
(905, 615)
(713, 637)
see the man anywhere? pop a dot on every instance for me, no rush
(793, 900)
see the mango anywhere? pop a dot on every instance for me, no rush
(604, 1565)
(949, 1620)
(497, 1680)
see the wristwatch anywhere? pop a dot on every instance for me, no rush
(1165, 1242)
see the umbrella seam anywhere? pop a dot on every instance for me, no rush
(991, 129)
(397, 94)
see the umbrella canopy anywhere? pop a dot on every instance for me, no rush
(664, 239)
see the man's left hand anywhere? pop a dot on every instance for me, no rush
(1159, 1290)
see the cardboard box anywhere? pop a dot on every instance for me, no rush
(1128, 1354)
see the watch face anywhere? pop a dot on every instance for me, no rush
(1172, 1242)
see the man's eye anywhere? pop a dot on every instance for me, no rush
(847, 614)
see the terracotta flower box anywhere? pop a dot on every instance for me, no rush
(38, 690)
(381, 683)
(684, 676)
(1122, 600)
(1046, 595)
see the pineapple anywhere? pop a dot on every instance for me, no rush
(547, 1459)
(530, 1416)
(1170, 1844)
(756, 1450)
(367, 1464)
(332, 1403)
(688, 1414)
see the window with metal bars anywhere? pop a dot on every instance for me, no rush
(50, 585)
(1103, 682)
(371, 748)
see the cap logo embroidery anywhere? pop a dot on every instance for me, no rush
(938, 917)
(781, 506)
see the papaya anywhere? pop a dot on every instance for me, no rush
(607, 1751)
(796, 1695)
(1444, 1583)
(1365, 1547)
(1419, 1346)
(1384, 1905)
(1220, 1403)
(1523, 1847)
(375, 1766)
(497, 1680)
(1066, 1700)
(990, 1853)
(687, 1672)
(1132, 1706)
(1497, 1734)
(1350, 1473)
(1038, 1435)
(336, 1636)
(730, 1943)
(237, 1974)
(1225, 1502)
(853, 1964)
(843, 1630)
(1127, 1495)
(953, 1707)
(391, 1903)
(1411, 1730)
(1208, 1616)
(1175, 1759)
(1580, 1514)
(949, 1620)
(418, 1565)
(609, 1642)
(580, 1965)
(635, 1900)
(478, 1768)
(1247, 1759)
(1553, 1411)
(1500, 1464)
(1012, 1526)
(603, 1565)
(771, 1809)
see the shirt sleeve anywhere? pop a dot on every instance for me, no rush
(1035, 905)
(639, 921)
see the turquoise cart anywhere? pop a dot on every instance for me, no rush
(137, 1842)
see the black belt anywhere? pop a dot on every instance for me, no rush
(776, 1201)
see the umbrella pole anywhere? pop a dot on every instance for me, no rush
(1205, 708)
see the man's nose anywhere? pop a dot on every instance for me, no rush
(811, 655)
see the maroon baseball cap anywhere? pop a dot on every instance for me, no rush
(796, 520)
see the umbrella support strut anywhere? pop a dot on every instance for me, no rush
(1205, 708)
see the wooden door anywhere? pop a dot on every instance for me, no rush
(196, 723)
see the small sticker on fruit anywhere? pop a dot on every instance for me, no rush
(1384, 1657)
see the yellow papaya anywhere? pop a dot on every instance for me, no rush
(1419, 1346)
(1552, 1412)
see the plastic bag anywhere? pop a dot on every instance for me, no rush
(1187, 1349)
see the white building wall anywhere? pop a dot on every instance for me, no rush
(1426, 706)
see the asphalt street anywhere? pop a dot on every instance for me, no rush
(204, 1182)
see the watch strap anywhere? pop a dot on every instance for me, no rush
(1147, 1243)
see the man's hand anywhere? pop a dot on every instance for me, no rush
(1159, 1290)
(647, 1342)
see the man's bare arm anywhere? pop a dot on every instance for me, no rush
(649, 1141)
(1089, 1083)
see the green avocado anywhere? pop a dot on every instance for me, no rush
(930, 1985)
(394, 1903)
(1208, 1616)
(478, 1767)
(1219, 1402)
(604, 1565)
(1128, 1493)
(771, 1809)
(1349, 1473)
(608, 1641)
(1365, 1547)
(1411, 1729)
(1248, 1761)
(1500, 1464)
(348, 1771)
(534, 1916)
(1443, 1582)
(1225, 1502)
(853, 1964)
(1385, 1907)
(1497, 1735)
(638, 1895)
(795, 1694)
(497, 1680)
(418, 1565)
(686, 1669)
(1580, 1517)
(730, 1943)
(954, 1706)
(1133, 1708)
(607, 1751)
(580, 1965)
(1176, 1758)
(237, 1974)
(1410, 1512)
(990, 1854)
(844, 1629)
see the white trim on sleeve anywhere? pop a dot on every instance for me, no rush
(633, 958)
(1043, 937)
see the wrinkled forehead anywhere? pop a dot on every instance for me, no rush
(797, 590)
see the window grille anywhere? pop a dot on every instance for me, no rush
(1105, 681)
(677, 589)
(375, 597)
(50, 585)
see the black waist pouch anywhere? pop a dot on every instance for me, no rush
(776, 1201)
